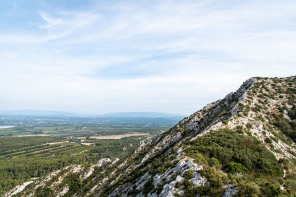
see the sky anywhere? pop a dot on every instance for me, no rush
(172, 56)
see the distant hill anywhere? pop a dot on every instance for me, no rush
(143, 115)
(29, 112)
(45, 113)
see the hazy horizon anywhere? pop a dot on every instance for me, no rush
(37, 112)
(98, 57)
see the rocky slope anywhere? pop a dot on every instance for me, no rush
(241, 145)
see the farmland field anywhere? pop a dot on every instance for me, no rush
(81, 126)
(23, 158)
(110, 137)
(31, 147)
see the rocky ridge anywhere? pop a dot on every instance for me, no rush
(192, 158)
(250, 111)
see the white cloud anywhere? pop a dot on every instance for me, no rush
(172, 56)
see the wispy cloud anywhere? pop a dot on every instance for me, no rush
(172, 56)
(50, 22)
(67, 23)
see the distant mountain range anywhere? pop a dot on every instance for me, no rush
(143, 115)
(69, 114)
(35, 113)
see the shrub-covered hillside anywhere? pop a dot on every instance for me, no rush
(242, 145)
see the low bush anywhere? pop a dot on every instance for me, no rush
(249, 126)
(239, 129)
(233, 167)
(271, 189)
(268, 140)
(213, 161)
(225, 122)
(188, 174)
(228, 146)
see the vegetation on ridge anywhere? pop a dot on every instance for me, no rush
(242, 145)
(245, 158)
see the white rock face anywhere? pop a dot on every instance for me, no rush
(122, 164)
(115, 161)
(18, 189)
(87, 174)
(198, 180)
(41, 183)
(182, 166)
(177, 137)
(169, 189)
(143, 180)
(287, 117)
(230, 191)
(77, 169)
(101, 162)
(63, 192)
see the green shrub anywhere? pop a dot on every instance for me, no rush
(214, 177)
(239, 129)
(178, 185)
(214, 162)
(288, 128)
(188, 174)
(268, 140)
(290, 186)
(255, 109)
(225, 122)
(233, 167)
(249, 189)
(248, 125)
(271, 189)
(228, 146)
(247, 108)
(188, 183)
(176, 194)
(292, 113)
(46, 191)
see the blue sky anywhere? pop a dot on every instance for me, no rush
(168, 56)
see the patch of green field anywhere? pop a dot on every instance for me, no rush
(7, 131)
(49, 131)
(22, 158)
